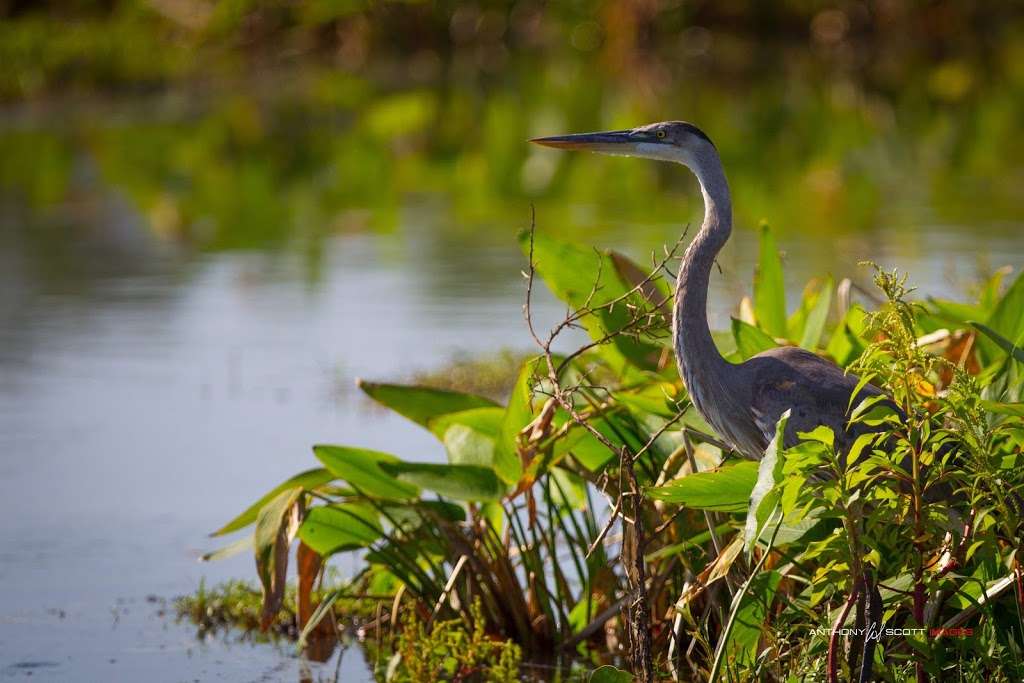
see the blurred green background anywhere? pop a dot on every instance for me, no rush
(242, 123)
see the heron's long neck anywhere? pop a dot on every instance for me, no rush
(700, 363)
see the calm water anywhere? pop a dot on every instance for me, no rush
(150, 390)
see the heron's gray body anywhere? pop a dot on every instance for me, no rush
(742, 402)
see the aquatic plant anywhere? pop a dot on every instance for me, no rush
(595, 516)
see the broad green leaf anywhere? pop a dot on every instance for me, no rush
(764, 497)
(461, 482)
(583, 277)
(769, 289)
(750, 341)
(793, 528)
(609, 674)
(590, 452)
(423, 405)
(518, 414)
(470, 437)
(308, 480)
(955, 312)
(409, 516)
(749, 624)
(654, 397)
(817, 316)
(361, 468)
(328, 529)
(1007, 320)
(726, 489)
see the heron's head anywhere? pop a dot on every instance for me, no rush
(667, 141)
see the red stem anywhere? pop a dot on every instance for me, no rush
(833, 640)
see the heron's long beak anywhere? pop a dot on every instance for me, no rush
(612, 141)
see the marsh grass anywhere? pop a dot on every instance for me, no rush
(595, 516)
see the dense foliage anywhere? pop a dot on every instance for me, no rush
(596, 488)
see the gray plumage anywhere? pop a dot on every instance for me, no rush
(742, 402)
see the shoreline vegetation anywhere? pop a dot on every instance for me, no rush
(595, 507)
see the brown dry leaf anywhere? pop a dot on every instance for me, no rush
(320, 643)
(961, 351)
(308, 563)
(276, 525)
(714, 571)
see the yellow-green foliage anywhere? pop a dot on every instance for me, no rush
(449, 651)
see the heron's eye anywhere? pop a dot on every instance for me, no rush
(660, 135)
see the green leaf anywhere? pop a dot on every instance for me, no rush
(609, 674)
(308, 480)
(1001, 342)
(583, 277)
(568, 490)
(1007, 320)
(846, 343)
(817, 316)
(769, 289)
(423, 404)
(1016, 409)
(461, 482)
(230, 550)
(361, 468)
(749, 624)
(726, 489)
(955, 312)
(470, 437)
(750, 341)
(518, 414)
(328, 529)
(764, 497)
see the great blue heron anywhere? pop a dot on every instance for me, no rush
(742, 402)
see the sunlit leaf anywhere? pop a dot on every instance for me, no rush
(583, 277)
(1014, 350)
(461, 482)
(1015, 409)
(817, 316)
(308, 480)
(763, 497)
(769, 288)
(470, 437)
(230, 550)
(423, 405)
(328, 529)
(1006, 321)
(750, 340)
(846, 342)
(749, 624)
(361, 468)
(609, 674)
(726, 489)
(518, 414)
